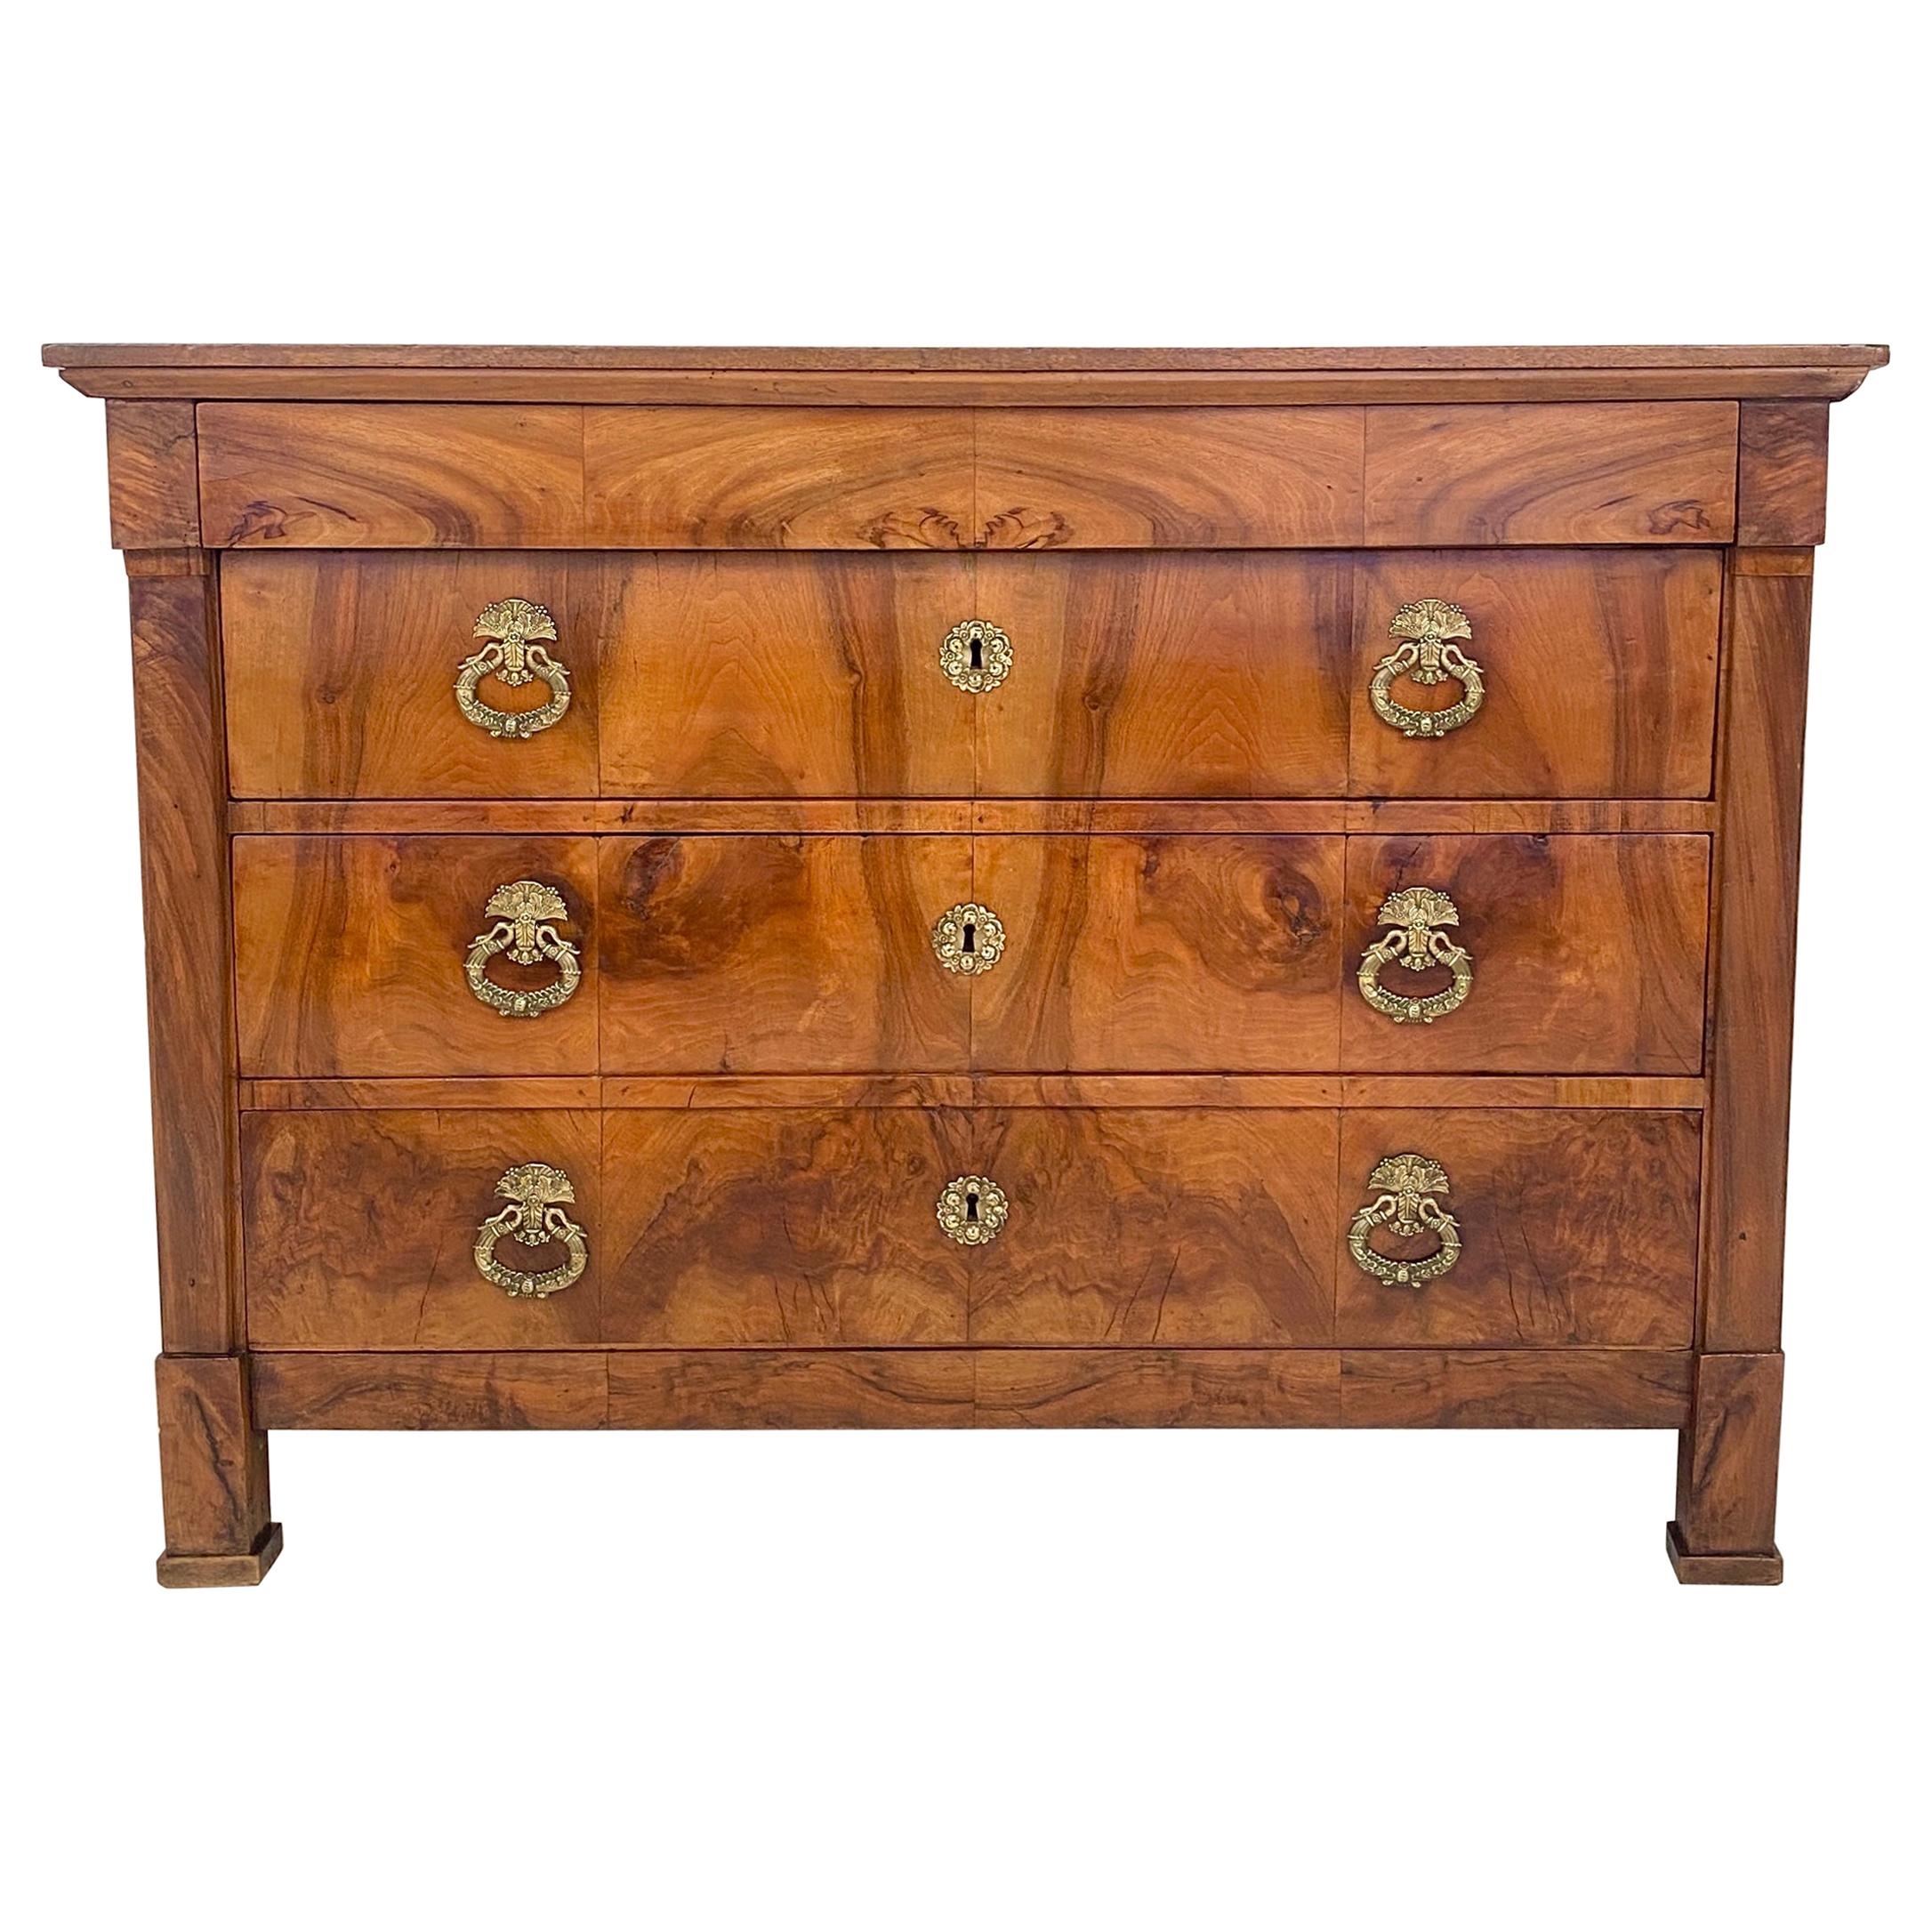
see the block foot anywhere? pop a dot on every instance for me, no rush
(1750, 1568)
(220, 1572)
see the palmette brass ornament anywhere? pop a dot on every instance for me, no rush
(973, 1210)
(1415, 917)
(977, 656)
(1406, 1207)
(968, 938)
(513, 652)
(522, 911)
(534, 1217)
(1427, 655)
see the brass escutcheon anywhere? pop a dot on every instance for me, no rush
(521, 911)
(1415, 916)
(512, 655)
(532, 1218)
(969, 938)
(973, 1210)
(1427, 655)
(976, 655)
(1406, 1207)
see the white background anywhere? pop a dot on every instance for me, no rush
(1190, 1680)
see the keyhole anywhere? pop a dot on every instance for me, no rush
(979, 663)
(972, 1203)
(966, 937)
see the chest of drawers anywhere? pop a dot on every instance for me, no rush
(828, 889)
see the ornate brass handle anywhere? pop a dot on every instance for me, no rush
(512, 654)
(532, 1218)
(521, 911)
(976, 655)
(1428, 655)
(969, 938)
(1406, 1207)
(973, 1210)
(1414, 917)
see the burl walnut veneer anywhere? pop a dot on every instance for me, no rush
(820, 888)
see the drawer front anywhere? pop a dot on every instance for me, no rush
(744, 953)
(418, 955)
(771, 1228)
(1197, 674)
(1139, 1225)
(907, 1226)
(1571, 1227)
(1219, 954)
(370, 955)
(1598, 671)
(360, 1230)
(342, 673)
(1541, 954)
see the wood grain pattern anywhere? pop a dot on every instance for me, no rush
(1067, 815)
(749, 479)
(819, 1389)
(781, 1229)
(1578, 1228)
(349, 956)
(1515, 1388)
(1126, 480)
(268, 1096)
(358, 1229)
(985, 1388)
(1565, 473)
(1589, 955)
(341, 671)
(214, 1459)
(1195, 675)
(152, 500)
(527, 1388)
(1157, 1388)
(1160, 954)
(185, 910)
(1780, 469)
(776, 677)
(1728, 1457)
(1599, 674)
(780, 954)
(409, 476)
(1754, 963)
(1143, 1227)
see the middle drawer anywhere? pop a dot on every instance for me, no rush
(366, 956)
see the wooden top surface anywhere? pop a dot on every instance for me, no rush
(404, 372)
(991, 361)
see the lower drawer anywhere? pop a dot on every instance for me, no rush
(863, 1226)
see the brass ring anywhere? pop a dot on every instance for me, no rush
(1427, 655)
(1414, 916)
(511, 656)
(521, 911)
(973, 1210)
(969, 938)
(532, 1218)
(1406, 1207)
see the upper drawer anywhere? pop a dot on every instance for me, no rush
(1192, 674)
(473, 475)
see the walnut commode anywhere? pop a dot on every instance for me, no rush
(818, 889)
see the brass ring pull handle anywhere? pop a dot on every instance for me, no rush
(976, 656)
(521, 911)
(1407, 1208)
(512, 655)
(973, 1210)
(532, 1218)
(1427, 655)
(969, 938)
(1415, 917)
